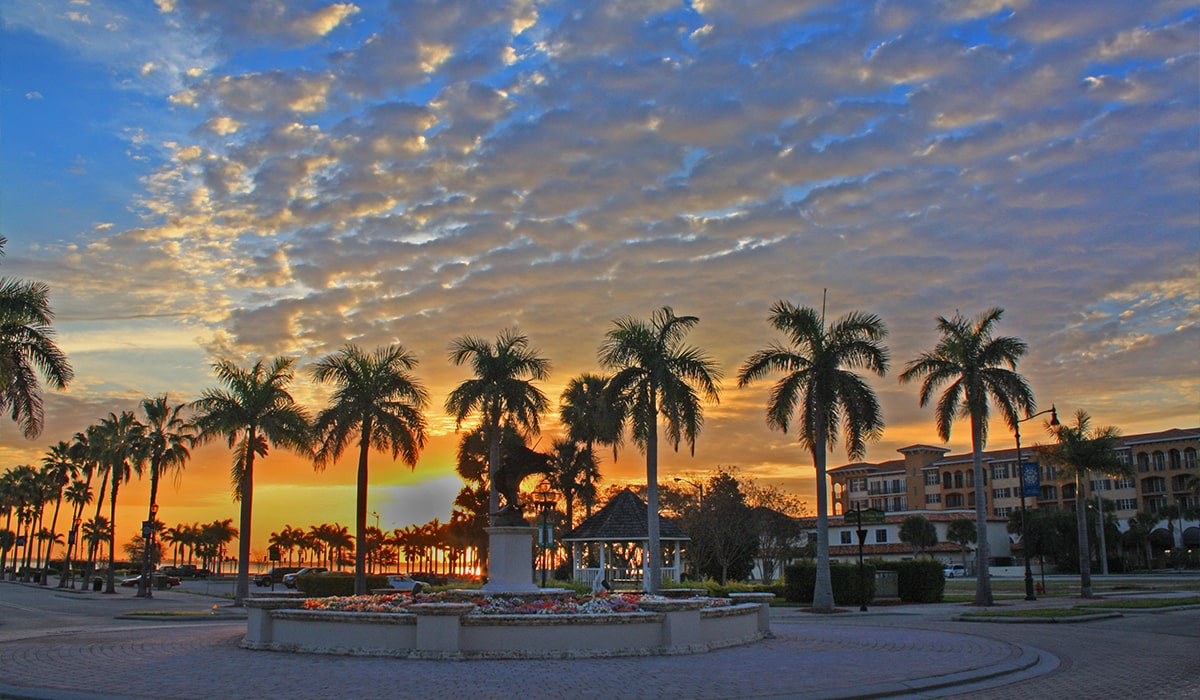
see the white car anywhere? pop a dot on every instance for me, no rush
(404, 582)
(954, 571)
(289, 580)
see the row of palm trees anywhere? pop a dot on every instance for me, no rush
(377, 403)
(433, 548)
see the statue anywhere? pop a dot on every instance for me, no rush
(517, 462)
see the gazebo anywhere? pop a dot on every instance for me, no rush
(622, 521)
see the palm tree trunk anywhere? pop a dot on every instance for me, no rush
(652, 571)
(823, 586)
(360, 514)
(110, 585)
(983, 553)
(1085, 557)
(242, 588)
(50, 542)
(144, 583)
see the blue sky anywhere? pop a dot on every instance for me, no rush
(199, 179)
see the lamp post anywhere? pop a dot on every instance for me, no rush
(699, 485)
(545, 497)
(69, 573)
(862, 538)
(1024, 519)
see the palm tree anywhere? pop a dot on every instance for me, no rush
(502, 391)
(122, 448)
(59, 470)
(26, 349)
(573, 474)
(591, 417)
(78, 494)
(980, 368)
(166, 444)
(253, 413)
(826, 396)
(377, 396)
(656, 373)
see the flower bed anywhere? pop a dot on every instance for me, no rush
(472, 624)
(603, 604)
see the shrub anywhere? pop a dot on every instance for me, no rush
(849, 586)
(918, 581)
(323, 585)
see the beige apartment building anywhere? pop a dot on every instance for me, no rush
(926, 478)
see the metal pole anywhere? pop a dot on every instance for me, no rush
(1024, 520)
(862, 584)
(1100, 525)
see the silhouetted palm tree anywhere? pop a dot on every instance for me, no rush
(592, 417)
(253, 412)
(27, 349)
(122, 448)
(979, 368)
(59, 470)
(501, 391)
(377, 397)
(165, 444)
(827, 396)
(655, 372)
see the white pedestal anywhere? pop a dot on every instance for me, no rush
(510, 560)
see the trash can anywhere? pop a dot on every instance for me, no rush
(160, 583)
(96, 584)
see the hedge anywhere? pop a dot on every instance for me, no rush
(919, 581)
(322, 585)
(850, 586)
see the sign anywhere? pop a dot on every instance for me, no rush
(273, 553)
(546, 534)
(1031, 479)
(871, 515)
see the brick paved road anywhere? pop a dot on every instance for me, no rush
(72, 648)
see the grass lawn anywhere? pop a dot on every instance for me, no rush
(1036, 613)
(1141, 603)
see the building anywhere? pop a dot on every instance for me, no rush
(926, 479)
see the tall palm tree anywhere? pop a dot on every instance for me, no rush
(376, 396)
(828, 396)
(59, 470)
(1081, 450)
(166, 443)
(501, 391)
(122, 448)
(980, 368)
(253, 412)
(78, 494)
(592, 417)
(27, 349)
(573, 474)
(655, 372)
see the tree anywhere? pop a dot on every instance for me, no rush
(917, 532)
(59, 470)
(165, 444)
(962, 532)
(1080, 451)
(377, 397)
(655, 372)
(723, 540)
(27, 349)
(776, 521)
(253, 412)
(592, 417)
(827, 396)
(979, 368)
(502, 391)
(574, 475)
(121, 442)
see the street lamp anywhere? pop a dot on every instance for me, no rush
(545, 497)
(1024, 479)
(699, 485)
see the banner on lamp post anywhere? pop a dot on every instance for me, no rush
(1031, 479)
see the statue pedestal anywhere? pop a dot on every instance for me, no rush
(510, 559)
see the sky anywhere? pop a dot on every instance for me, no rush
(241, 179)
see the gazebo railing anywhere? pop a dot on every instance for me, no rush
(621, 577)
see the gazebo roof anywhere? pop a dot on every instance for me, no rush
(623, 519)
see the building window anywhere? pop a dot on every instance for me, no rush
(958, 480)
(931, 498)
(1049, 474)
(1173, 457)
(1180, 482)
(954, 500)
(932, 479)
(1049, 493)
(1000, 471)
(1123, 455)
(947, 481)
(1160, 462)
(1126, 504)
(1154, 484)
(1002, 512)
(1068, 492)
(1189, 458)
(1124, 484)
(1101, 484)
(846, 535)
(1143, 461)
(881, 535)
(858, 484)
(1154, 503)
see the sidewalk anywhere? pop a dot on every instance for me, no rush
(62, 645)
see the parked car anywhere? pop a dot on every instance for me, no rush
(289, 580)
(191, 571)
(954, 571)
(275, 575)
(404, 582)
(132, 581)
